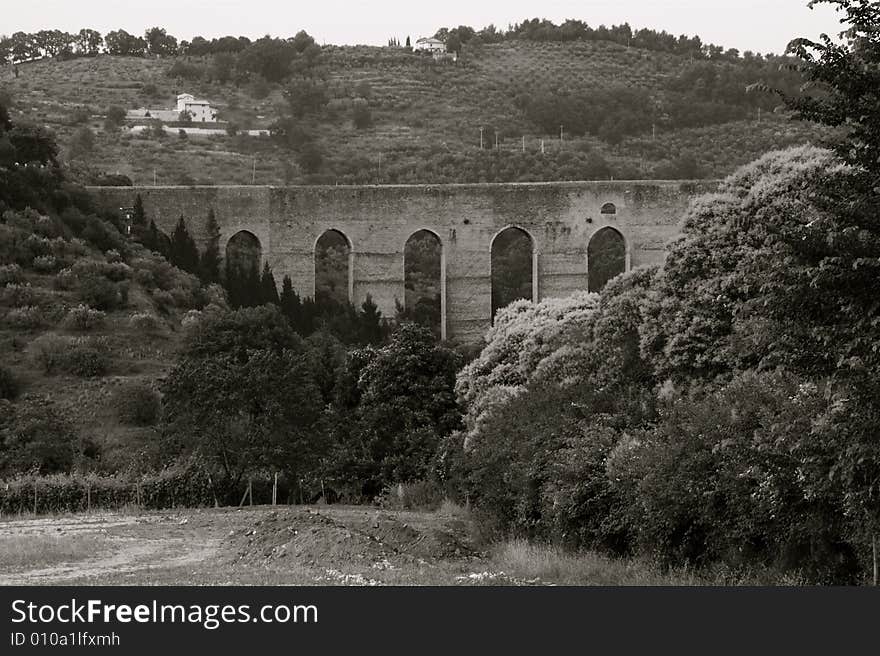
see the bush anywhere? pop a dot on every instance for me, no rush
(137, 405)
(45, 263)
(84, 359)
(36, 437)
(144, 322)
(79, 357)
(103, 294)
(82, 317)
(18, 295)
(25, 317)
(9, 385)
(65, 280)
(10, 273)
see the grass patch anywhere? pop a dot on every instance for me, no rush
(35, 551)
(525, 561)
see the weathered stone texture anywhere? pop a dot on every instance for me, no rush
(560, 217)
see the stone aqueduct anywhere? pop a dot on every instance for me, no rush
(561, 219)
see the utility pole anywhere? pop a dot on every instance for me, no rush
(481, 137)
(561, 132)
(496, 141)
(542, 146)
(254, 176)
(524, 143)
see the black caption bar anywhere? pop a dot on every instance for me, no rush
(170, 620)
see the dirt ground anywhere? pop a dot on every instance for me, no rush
(320, 545)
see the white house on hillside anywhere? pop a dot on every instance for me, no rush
(200, 110)
(431, 45)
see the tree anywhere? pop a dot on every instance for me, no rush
(238, 332)
(184, 253)
(268, 288)
(89, 42)
(114, 118)
(241, 417)
(123, 44)
(209, 262)
(407, 404)
(159, 42)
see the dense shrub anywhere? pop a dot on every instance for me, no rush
(10, 273)
(36, 437)
(27, 318)
(84, 318)
(9, 385)
(102, 294)
(137, 404)
(79, 357)
(144, 322)
(45, 263)
(18, 295)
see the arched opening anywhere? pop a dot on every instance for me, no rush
(512, 267)
(609, 208)
(606, 258)
(423, 280)
(333, 269)
(242, 271)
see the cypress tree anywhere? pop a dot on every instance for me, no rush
(370, 330)
(138, 215)
(291, 306)
(209, 263)
(184, 252)
(268, 289)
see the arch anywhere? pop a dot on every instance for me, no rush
(513, 267)
(424, 280)
(334, 276)
(244, 255)
(609, 208)
(606, 257)
(244, 252)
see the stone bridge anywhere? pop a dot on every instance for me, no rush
(561, 218)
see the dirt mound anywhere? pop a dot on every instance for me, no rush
(307, 537)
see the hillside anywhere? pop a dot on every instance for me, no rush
(656, 114)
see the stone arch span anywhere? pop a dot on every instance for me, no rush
(424, 279)
(333, 255)
(243, 252)
(513, 267)
(607, 257)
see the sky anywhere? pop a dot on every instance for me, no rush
(757, 25)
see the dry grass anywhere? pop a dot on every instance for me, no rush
(36, 551)
(522, 560)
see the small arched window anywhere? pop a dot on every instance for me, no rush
(609, 208)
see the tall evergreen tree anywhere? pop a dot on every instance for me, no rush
(184, 252)
(209, 263)
(268, 289)
(138, 214)
(291, 307)
(371, 329)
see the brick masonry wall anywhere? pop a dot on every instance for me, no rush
(560, 217)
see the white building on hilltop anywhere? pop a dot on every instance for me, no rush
(200, 110)
(431, 45)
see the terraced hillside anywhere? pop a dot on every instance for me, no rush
(425, 117)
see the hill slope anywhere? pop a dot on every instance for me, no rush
(642, 113)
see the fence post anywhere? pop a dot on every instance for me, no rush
(250, 491)
(35, 498)
(275, 490)
(89, 497)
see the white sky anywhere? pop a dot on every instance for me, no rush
(757, 25)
